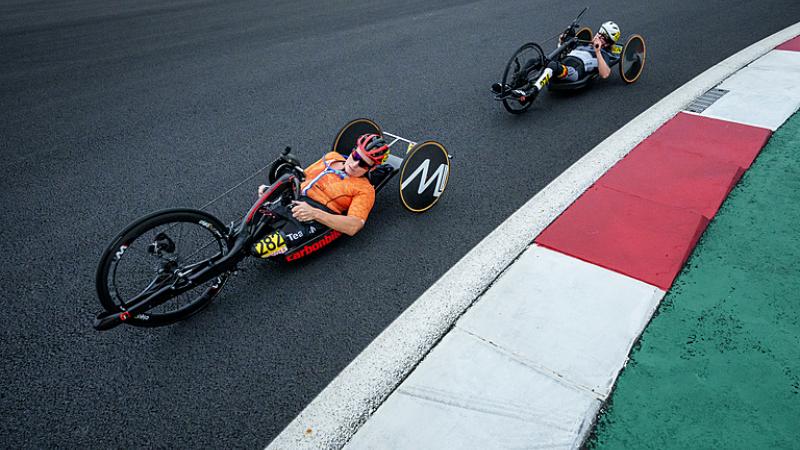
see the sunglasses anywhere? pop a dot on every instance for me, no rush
(362, 162)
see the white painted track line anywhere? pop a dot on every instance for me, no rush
(334, 416)
(530, 362)
(476, 412)
(576, 319)
(763, 94)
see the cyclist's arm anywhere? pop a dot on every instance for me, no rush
(602, 65)
(348, 225)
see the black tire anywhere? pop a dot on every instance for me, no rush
(634, 55)
(284, 164)
(346, 137)
(516, 75)
(584, 34)
(278, 169)
(142, 247)
(426, 152)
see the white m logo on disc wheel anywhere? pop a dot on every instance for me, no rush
(440, 177)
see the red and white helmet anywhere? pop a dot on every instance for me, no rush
(374, 146)
(610, 31)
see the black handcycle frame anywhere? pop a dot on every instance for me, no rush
(265, 216)
(573, 35)
(253, 227)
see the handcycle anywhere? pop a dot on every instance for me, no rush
(168, 265)
(527, 67)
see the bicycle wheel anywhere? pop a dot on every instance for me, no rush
(584, 34)
(150, 253)
(526, 64)
(634, 55)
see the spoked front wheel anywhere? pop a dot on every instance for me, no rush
(158, 251)
(526, 64)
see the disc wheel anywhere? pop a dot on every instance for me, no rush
(348, 136)
(584, 34)
(527, 63)
(154, 252)
(634, 55)
(420, 195)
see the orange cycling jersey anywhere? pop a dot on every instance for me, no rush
(352, 194)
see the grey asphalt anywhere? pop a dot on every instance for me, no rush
(112, 109)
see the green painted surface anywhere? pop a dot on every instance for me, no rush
(719, 365)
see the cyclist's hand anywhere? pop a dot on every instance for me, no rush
(262, 189)
(303, 212)
(598, 41)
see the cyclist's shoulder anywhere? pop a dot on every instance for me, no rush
(335, 156)
(614, 52)
(329, 157)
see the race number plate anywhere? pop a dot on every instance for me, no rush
(271, 245)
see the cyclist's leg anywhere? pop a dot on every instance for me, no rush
(574, 69)
(530, 64)
(570, 69)
(536, 85)
(525, 68)
(560, 71)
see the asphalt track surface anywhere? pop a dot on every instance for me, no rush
(111, 109)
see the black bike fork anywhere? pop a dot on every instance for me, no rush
(145, 302)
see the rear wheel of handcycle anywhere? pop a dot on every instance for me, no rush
(584, 34)
(346, 138)
(150, 253)
(634, 55)
(527, 63)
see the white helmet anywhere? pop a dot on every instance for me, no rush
(610, 31)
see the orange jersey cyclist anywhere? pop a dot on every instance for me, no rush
(341, 196)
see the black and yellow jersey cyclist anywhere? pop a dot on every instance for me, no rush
(582, 61)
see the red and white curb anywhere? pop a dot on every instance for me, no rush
(529, 364)
(553, 322)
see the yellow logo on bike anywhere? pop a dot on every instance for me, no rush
(271, 245)
(544, 80)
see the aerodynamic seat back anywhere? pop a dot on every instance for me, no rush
(572, 85)
(381, 175)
